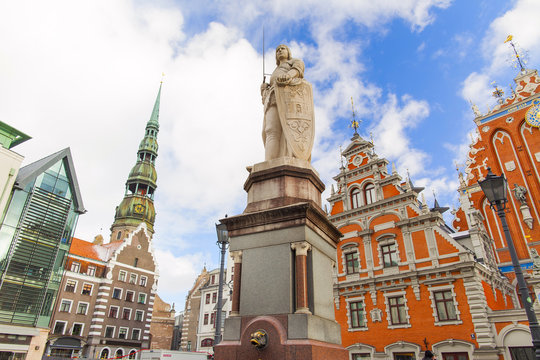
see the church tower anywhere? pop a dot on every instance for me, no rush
(138, 203)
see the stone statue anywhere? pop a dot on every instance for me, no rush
(289, 122)
(519, 193)
(536, 263)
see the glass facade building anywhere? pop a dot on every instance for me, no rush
(35, 234)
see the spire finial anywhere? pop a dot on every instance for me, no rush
(162, 77)
(354, 123)
(519, 55)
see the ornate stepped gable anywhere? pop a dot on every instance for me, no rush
(395, 248)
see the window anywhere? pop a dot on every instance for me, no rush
(129, 296)
(444, 302)
(212, 318)
(75, 266)
(122, 275)
(117, 293)
(465, 356)
(398, 314)
(351, 261)
(356, 310)
(104, 353)
(82, 308)
(118, 235)
(214, 297)
(355, 198)
(135, 262)
(207, 342)
(132, 278)
(404, 356)
(59, 327)
(119, 353)
(522, 353)
(113, 312)
(126, 314)
(109, 332)
(71, 285)
(389, 255)
(77, 329)
(91, 271)
(213, 279)
(87, 289)
(207, 301)
(135, 334)
(139, 314)
(122, 333)
(369, 194)
(361, 356)
(142, 298)
(132, 353)
(142, 280)
(205, 319)
(65, 306)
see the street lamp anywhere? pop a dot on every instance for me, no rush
(494, 187)
(222, 243)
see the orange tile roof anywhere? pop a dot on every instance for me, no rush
(93, 251)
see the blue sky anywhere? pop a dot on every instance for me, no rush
(85, 75)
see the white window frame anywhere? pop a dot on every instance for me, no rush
(91, 289)
(130, 312)
(450, 287)
(63, 322)
(126, 337)
(145, 280)
(90, 273)
(117, 312)
(349, 320)
(134, 281)
(75, 264)
(120, 275)
(119, 296)
(135, 317)
(139, 337)
(403, 294)
(105, 348)
(82, 328)
(113, 332)
(87, 306)
(139, 296)
(74, 289)
(62, 302)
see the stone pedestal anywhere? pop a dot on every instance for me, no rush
(283, 248)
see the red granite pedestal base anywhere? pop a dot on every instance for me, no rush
(279, 346)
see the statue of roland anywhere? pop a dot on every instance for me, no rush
(289, 122)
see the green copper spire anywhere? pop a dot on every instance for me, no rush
(138, 203)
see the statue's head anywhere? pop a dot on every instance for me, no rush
(283, 48)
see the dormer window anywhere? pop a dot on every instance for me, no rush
(369, 194)
(355, 198)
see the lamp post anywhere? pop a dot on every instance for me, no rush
(222, 243)
(494, 187)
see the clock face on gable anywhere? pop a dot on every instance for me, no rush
(139, 209)
(532, 117)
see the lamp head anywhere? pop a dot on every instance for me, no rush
(494, 187)
(222, 233)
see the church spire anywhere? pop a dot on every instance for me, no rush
(138, 203)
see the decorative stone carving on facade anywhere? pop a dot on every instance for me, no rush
(536, 262)
(376, 315)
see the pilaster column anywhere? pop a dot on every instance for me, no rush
(237, 276)
(301, 249)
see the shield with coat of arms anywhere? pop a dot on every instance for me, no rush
(295, 108)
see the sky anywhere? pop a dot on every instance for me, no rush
(85, 75)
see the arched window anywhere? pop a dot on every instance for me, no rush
(132, 354)
(355, 198)
(207, 342)
(104, 354)
(119, 353)
(369, 193)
